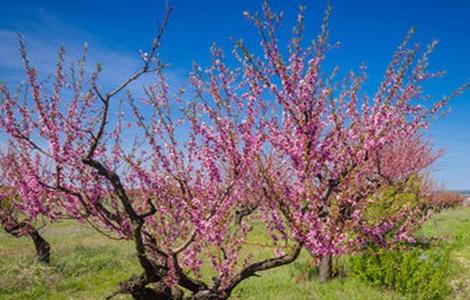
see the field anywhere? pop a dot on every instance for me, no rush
(86, 265)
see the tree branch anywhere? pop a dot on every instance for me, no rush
(262, 266)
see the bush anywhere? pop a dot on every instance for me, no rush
(423, 273)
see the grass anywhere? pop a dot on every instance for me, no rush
(86, 265)
(454, 227)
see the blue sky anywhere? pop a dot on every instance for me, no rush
(369, 31)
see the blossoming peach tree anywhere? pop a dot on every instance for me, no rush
(271, 136)
(331, 148)
(174, 190)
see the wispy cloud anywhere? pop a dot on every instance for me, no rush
(45, 34)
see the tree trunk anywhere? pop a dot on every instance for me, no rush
(325, 268)
(207, 295)
(151, 294)
(137, 287)
(43, 248)
(160, 292)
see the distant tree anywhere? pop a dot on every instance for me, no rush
(398, 209)
(441, 200)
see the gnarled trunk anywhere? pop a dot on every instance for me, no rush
(43, 248)
(143, 288)
(325, 268)
(20, 229)
(207, 295)
(160, 292)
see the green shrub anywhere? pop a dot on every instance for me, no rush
(422, 273)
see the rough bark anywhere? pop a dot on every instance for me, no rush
(325, 268)
(20, 229)
(206, 295)
(244, 212)
(43, 248)
(138, 287)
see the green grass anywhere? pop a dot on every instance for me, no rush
(86, 265)
(453, 226)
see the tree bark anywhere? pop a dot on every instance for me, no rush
(207, 295)
(43, 248)
(142, 288)
(244, 211)
(325, 268)
(21, 229)
(160, 292)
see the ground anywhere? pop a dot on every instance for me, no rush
(86, 265)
